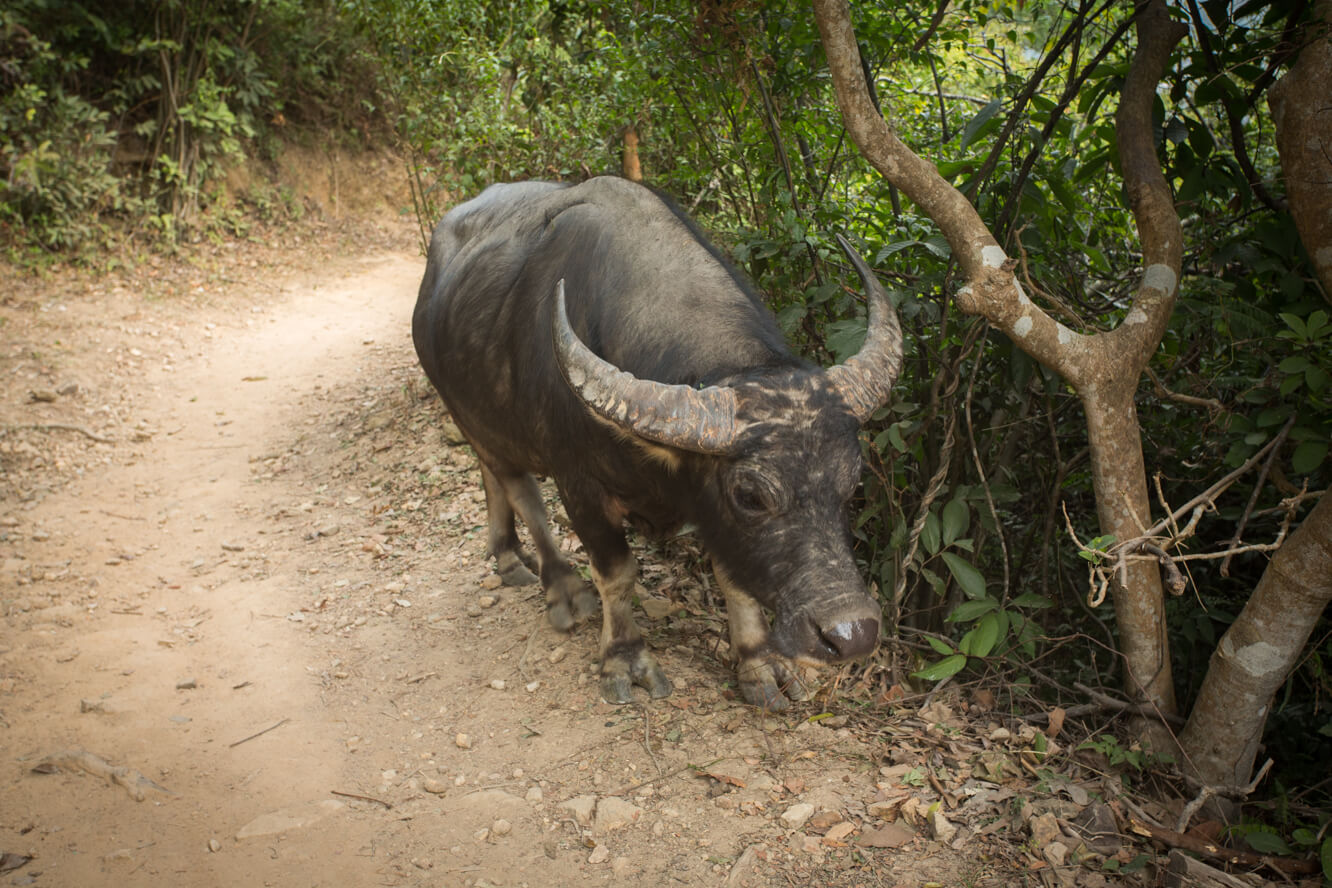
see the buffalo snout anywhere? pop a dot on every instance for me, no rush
(822, 635)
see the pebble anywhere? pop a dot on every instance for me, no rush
(492, 582)
(488, 601)
(532, 686)
(582, 808)
(214, 845)
(534, 794)
(615, 813)
(434, 785)
(462, 741)
(600, 854)
(498, 684)
(501, 828)
(795, 816)
(557, 655)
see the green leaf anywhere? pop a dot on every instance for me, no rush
(1267, 843)
(940, 646)
(970, 610)
(945, 668)
(986, 636)
(1308, 456)
(1031, 599)
(974, 125)
(1326, 856)
(956, 520)
(929, 534)
(970, 579)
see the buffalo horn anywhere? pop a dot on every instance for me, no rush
(702, 420)
(865, 379)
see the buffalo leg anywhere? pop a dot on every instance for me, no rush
(625, 660)
(511, 562)
(767, 679)
(568, 598)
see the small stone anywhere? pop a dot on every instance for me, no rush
(582, 808)
(492, 582)
(434, 785)
(232, 547)
(462, 741)
(600, 854)
(43, 395)
(557, 655)
(795, 816)
(498, 684)
(501, 828)
(532, 687)
(534, 795)
(214, 845)
(86, 705)
(838, 832)
(941, 828)
(615, 813)
(481, 834)
(488, 601)
(187, 684)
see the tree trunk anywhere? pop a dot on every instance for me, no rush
(1304, 141)
(1258, 652)
(1123, 505)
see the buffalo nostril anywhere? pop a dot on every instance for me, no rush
(853, 638)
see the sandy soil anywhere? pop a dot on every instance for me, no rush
(251, 636)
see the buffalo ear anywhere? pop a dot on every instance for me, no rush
(701, 420)
(865, 380)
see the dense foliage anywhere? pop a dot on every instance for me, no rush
(123, 115)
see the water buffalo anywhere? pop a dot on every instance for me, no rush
(591, 334)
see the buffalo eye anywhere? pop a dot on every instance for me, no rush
(752, 495)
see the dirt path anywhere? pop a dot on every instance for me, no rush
(281, 539)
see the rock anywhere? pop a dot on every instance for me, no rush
(532, 686)
(795, 816)
(1055, 853)
(557, 655)
(891, 835)
(498, 684)
(582, 807)
(615, 813)
(838, 833)
(42, 395)
(488, 601)
(743, 866)
(600, 854)
(462, 741)
(821, 821)
(534, 795)
(214, 845)
(434, 785)
(501, 827)
(1044, 829)
(490, 583)
(940, 828)
(286, 819)
(658, 608)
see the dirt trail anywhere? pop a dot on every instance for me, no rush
(282, 537)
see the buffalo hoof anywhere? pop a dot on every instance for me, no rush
(570, 601)
(770, 683)
(620, 672)
(517, 574)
